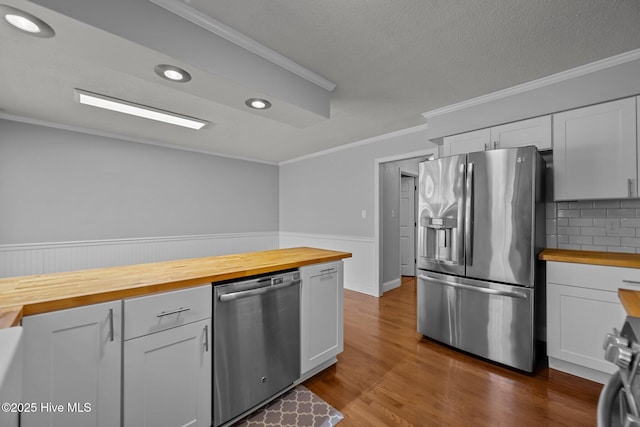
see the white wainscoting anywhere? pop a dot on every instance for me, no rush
(358, 270)
(27, 259)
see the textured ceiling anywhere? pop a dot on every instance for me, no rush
(391, 61)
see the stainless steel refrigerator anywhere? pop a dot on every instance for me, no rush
(481, 227)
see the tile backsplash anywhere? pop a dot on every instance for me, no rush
(600, 225)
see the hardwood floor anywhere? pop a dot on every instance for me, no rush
(390, 375)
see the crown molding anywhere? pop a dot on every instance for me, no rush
(187, 12)
(582, 70)
(371, 140)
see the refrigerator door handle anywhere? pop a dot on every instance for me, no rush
(468, 222)
(512, 294)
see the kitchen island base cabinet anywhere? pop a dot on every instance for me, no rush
(72, 367)
(167, 359)
(167, 378)
(321, 322)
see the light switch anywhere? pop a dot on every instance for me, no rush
(364, 214)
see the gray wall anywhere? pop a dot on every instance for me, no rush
(57, 185)
(326, 194)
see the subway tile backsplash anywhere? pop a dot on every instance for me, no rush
(599, 225)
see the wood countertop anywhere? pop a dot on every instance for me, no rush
(25, 295)
(613, 259)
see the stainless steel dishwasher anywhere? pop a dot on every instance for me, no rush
(256, 343)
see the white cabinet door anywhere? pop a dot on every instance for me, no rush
(595, 152)
(11, 359)
(167, 378)
(73, 358)
(578, 320)
(469, 142)
(321, 322)
(535, 131)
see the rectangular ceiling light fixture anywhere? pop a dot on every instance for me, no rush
(114, 104)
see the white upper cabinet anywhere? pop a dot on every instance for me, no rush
(536, 131)
(469, 142)
(594, 153)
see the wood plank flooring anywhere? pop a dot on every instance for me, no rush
(390, 375)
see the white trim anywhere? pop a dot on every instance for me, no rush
(578, 370)
(43, 258)
(329, 237)
(582, 70)
(106, 242)
(187, 12)
(358, 270)
(71, 128)
(376, 203)
(359, 143)
(392, 284)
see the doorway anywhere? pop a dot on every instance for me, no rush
(398, 182)
(408, 224)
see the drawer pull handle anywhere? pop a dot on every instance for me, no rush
(327, 270)
(631, 282)
(206, 338)
(169, 313)
(111, 324)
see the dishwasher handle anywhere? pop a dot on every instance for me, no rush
(257, 291)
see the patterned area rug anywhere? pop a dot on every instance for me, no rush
(299, 407)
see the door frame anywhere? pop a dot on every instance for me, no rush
(427, 152)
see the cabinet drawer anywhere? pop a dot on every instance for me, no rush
(601, 277)
(158, 312)
(326, 269)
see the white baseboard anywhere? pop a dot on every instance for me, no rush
(579, 371)
(42, 258)
(391, 284)
(358, 270)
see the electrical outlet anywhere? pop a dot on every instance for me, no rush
(612, 225)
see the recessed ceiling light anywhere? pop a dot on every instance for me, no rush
(172, 73)
(257, 103)
(114, 104)
(26, 22)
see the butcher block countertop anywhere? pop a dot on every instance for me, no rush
(25, 295)
(612, 259)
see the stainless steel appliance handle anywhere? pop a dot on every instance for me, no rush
(169, 313)
(468, 222)
(512, 294)
(259, 291)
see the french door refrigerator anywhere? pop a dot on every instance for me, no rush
(481, 227)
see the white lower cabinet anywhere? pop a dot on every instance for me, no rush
(72, 367)
(321, 312)
(167, 378)
(582, 306)
(167, 359)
